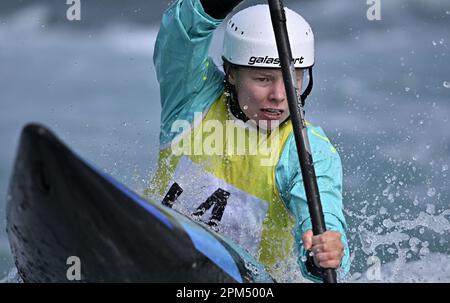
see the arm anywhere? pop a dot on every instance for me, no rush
(329, 178)
(189, 80)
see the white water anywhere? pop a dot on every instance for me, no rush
(432, 268)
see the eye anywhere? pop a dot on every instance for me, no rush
(262, 79)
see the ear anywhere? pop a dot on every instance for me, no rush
(232, 76)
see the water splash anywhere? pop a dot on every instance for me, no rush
(438, 223)
(413, 272)
(396, 238)
(12, 277)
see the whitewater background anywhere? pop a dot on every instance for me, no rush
(382, 94)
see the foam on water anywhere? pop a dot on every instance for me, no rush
(438, 223)
(432, 268)
(408, 243)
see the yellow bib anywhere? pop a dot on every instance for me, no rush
(217, 151)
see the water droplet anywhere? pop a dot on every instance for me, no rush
(431, 209)
(391, 198)
(445, 167)
(424, 251)
(434, 43)
(413, 242)
(245, 107)
(431, 192)
(421, 230)
(407, 89)
(446, 84)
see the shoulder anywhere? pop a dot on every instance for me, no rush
(326, 159)
(321, 145)
(320, 142)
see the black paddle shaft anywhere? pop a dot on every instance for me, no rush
(298, 120)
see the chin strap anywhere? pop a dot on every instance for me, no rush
(236, 110)
(230, 93)
(309, 87)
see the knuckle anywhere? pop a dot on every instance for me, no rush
(334, 264)
(331, 264)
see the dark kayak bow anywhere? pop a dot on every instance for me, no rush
(60, 207)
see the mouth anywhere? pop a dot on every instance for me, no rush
(272, 113)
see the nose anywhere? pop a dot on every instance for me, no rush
(277, 91)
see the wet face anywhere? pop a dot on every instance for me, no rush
(261, 94)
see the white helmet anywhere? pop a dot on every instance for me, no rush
(250, 41)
